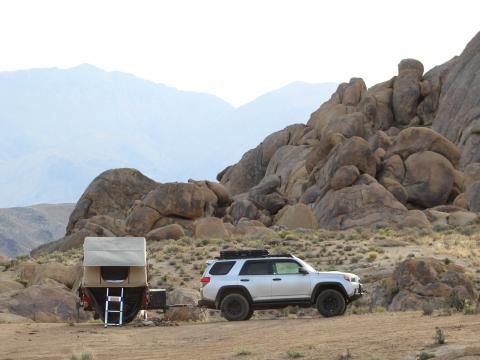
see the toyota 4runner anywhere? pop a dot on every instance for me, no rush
(240, 282)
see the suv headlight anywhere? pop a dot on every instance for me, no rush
(351, 278)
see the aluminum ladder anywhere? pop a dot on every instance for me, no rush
(118, 300)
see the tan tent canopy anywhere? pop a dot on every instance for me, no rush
(114, 251)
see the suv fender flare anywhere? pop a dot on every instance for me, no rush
(224, 290)
(328, 285)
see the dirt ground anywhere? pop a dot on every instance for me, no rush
(371, 336)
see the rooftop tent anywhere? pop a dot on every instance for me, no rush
(116, 268)
(115, 262)
(112, 251)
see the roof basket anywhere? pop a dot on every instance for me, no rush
(246, 254)
(241, 254)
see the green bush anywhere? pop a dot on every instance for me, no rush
(242, 352)
(293, 354)
(455, 301)
(83, 356)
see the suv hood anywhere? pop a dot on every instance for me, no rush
(336, 274)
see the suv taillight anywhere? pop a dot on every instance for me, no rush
(205, 280)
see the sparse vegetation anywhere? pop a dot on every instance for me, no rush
(455, 301)
(347, 355)
(242, 352)
(294, 354)
(83, 356)
(372, 256)
(470, 308)
(427, 308)
(439, 336)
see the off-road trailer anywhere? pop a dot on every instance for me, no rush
(114, 283)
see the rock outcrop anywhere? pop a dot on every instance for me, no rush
(111, 194)
(383, 132)
(210, 228)
(42, 293)
(399, 153)
(251, 169)
(418, 281)
(297, 216)
(45, 303)
(458, 114)
(187, 297)
(172, 231)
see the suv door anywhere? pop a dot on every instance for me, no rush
(288, 282)
(256, 276)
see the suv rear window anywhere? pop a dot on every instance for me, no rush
(221, 268)
(256, 268)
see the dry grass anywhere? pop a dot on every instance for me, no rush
(363, 251)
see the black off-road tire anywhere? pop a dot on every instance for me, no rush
(235, 307)
(250, 314)
(330, 303)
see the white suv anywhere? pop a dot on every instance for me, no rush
(239, 282)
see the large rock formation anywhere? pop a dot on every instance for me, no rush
(123, 202)
(45, 303)
(365, 203)
(43, 292)
(418, 281)
(366, 157)
(111, 194)
(458, 114)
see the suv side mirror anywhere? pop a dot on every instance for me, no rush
(302, 271)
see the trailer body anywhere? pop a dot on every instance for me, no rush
(117, 263)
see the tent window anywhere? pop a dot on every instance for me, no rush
(114, 273)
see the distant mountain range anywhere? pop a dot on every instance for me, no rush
(24, 228)
(61, 128)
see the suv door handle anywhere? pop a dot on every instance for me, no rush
(277, 279)
(244, 280)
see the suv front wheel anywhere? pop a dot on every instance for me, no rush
(331, 302)
(235, 307)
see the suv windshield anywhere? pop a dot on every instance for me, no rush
(306, 265)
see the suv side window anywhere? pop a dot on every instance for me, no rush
(257, 267)
(221, 268)
(286, 267)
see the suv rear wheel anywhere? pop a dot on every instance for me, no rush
(235, 307)
(331, 302)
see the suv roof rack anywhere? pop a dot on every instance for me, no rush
(245, 254)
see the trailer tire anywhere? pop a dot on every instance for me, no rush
(235, 307)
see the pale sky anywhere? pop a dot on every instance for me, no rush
(236, 50)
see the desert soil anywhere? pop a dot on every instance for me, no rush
(378, 335)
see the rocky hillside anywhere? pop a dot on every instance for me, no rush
(381, 181)
(400, 153)
(407, 269)
(24, 228)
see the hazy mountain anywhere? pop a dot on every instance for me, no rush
(61, 128)
(249, 124)
(24, 228)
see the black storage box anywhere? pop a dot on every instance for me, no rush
(158, 299)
